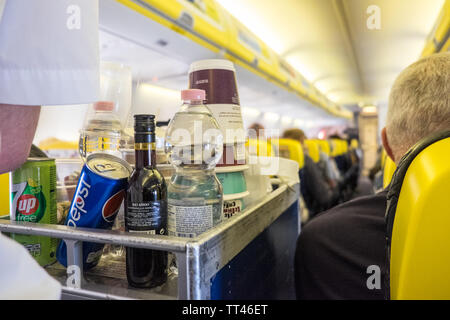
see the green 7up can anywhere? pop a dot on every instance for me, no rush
(33, 196)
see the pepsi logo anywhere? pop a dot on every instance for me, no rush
(112, 206)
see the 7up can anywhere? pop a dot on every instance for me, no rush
(33, 196)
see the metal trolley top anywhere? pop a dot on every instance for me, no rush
(198, 259)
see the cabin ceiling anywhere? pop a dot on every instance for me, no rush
(329, 42)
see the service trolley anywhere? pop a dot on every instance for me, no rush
(249, 256)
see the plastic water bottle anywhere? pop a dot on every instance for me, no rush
(194, 144)
(101, 132)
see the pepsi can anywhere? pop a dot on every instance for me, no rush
(99, 194)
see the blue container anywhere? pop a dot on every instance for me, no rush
(99, 194)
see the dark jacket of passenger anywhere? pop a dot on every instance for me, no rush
(340, 253)
(316, 192)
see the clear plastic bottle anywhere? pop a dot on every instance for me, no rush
(101, 132)
(194, 144)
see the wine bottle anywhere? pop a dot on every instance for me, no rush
(146, 208)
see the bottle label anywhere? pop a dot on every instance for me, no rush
(146, 216)
(231, 208)
(219, 85)
(240, 152)
(230, 121)
(28, 201)
(189, 222)
(150, 232)
(145, 146)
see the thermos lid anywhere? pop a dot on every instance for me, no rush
(211, 64)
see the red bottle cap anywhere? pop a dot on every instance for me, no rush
(104, 106)
(193, 94)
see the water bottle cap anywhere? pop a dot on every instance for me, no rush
(104, 106)
(193, 94)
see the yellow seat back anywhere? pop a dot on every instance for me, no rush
(354, 144)
(260, 148)
(290, 149)
(383, 157)
(344, 146)
(313, 149)
(337, 149)
(333, 148)
(418, 223)
(388, 171)
(324, 146)
(4, 195)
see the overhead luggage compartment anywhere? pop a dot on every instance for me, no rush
(180, 32)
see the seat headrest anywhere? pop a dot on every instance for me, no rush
(313, 148)
(290, 149)
(393, 194)
(388, 171)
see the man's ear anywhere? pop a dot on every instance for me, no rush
(386, 145)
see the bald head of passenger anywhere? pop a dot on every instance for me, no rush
(419, 104)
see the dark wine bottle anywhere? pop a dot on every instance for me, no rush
(146, 208)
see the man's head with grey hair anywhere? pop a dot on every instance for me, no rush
(419, 104)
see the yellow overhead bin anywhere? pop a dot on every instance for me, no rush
(439, 38)
(200, 22)
(203, 17)
(289, 75)
(246, 46)
(207, 23)
(313, 95)
(446, 46)
(305, 86)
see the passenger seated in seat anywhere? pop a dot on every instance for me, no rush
(329, 169)
(316, 191)
(340, 254)
(257, 130)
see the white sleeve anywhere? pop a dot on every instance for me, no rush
(49, 52)
(2, 6)
(21, 277)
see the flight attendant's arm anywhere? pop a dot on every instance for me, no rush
(49, 55)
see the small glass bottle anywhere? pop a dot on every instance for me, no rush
(146, 208)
